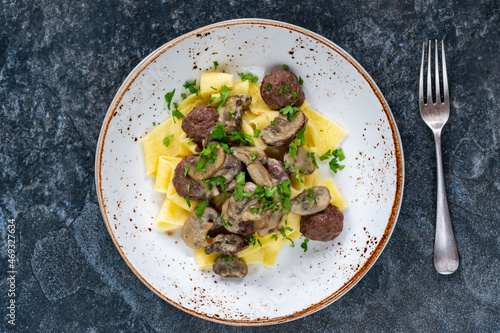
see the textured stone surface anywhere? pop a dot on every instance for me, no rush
(60, 65)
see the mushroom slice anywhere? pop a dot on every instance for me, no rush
(226, 245)
(234, 225)
(259, 174)
(284, 131)
(195, 230)
(311, 201)
(249, 154)
(231, 114)
(277, 171)
(211, 168)
(230, 267)
(229, 169)
(300, 161)
(271, 223)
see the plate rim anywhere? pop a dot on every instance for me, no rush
(400, 172)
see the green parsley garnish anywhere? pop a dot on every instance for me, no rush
(227, 258)
(304, 244)
(166, 140)
(187, 198)
(213, 88)
(201, 208)
(310, 196)
(290, 111)
(254, 155)
(254, 210)
(280, 92)
(295, 95)
(248, 76)
(274, 123)
(275, 237)
(228, 224)
(232, 113)
(301, 82)
(244, 138)
(297, 175)
(326, 155)
(300, 136)
(191, 86)
(184, 96)
(256, 133)
(250, 240)
(168, 98)
(285, 67)
(312, 156)
(240, 180)
(176, 113)
(186, 169)
(285, 87)
(216, 64)
(258, 241)
(337, 156)
(154, 123)
(224, 92)
(269, 86)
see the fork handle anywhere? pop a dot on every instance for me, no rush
(445, 248)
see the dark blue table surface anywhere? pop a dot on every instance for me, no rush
(62, 62)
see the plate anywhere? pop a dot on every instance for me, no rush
(300, 283)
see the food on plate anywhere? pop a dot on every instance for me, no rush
(238, 164)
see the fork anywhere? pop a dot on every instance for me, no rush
(435, 115)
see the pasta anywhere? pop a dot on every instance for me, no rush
(321, 135)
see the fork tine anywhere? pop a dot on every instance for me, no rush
(421, 85)
(436, 75)
(429, 80)
(446, 92)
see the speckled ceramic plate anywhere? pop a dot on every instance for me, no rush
(300, 283)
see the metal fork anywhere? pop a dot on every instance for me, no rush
(435, 115)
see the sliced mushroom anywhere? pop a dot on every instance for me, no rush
(270, 223)
(195, 230)
(229, 169)
(239, 215)
(211, 168)
(277, 152)
(300, 161)
(311, 201)
(231, 268)
(259, 174)
(246, 154)
(284, 131)
(226, 245)
(277, 171)
(231, 114)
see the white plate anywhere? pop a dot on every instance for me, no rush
(300, 283)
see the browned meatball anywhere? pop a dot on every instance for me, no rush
(196, 190)
(283, 84)
(323, 226)
(200, 122)
(277, 171)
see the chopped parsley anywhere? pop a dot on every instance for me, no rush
(248, 76)
(304, 244)
(283, 233)
(240, 180)
(300, 136)
(232, 113)
(254, 155)
(244, 138)
(224, 92)
(184, 96)
(274, 123)
(254, 210)
(310, 196)
(269, 86)
(275, 237)
(290, 112)
(228, 224)
(216, 64)
(337, 156)
(297, 175)
(256, 133)
(227, 258)
(176, 113)
(301, 82)
(166, 140)
(280, 92)
(187, 198)
(191, 86)
(285, 88)
(295, 95)
(168, 98)
(292, 149)
(213, 88)
(154, 123)
(250, 240)
(284, 194)
(204, 153)
(312, 156)
(186, 170)
(285, 67)
(201, 208)
(326, 155)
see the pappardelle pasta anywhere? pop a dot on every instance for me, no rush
(237, 162)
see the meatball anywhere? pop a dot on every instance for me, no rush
(277, 171)
(196, 190)
(200, 122)
(323, 226)
(278, 89)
